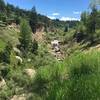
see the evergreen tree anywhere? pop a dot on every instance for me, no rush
(66, 29)
(84, 17)
(91, 24)
(34, 46)
(25, 35)
(33, 19)
(17, 19)
(2, 6)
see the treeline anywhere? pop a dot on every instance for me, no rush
(71, 24)
(10, 13)
(89, 27)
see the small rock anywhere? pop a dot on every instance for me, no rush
(29, 60)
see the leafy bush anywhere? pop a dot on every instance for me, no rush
(19, 78)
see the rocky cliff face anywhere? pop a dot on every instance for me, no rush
(38, 36)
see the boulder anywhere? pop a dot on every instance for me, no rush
(2, 83)
(19, 97)
(19, 59)
(17, 50)
(55, 43)
(30, 72)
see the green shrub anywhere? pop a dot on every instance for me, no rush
(19, 78)
(4, 70)
(5, 55)
(5, 94)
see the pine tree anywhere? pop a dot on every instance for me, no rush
(34, 47)
(66, 28)
(33, 19)
(2, 6)
(91, 22)
(25, 35)
(84, 17)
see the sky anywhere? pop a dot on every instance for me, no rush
(60, 9)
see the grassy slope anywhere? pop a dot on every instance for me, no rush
(2, 44)
(8, 34)
(48, 74)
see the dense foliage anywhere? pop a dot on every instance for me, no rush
(30, 68)
(89, 26)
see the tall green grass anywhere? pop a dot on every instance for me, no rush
(2, 44)
(84, 77)
(46, 76)
(77, 78)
